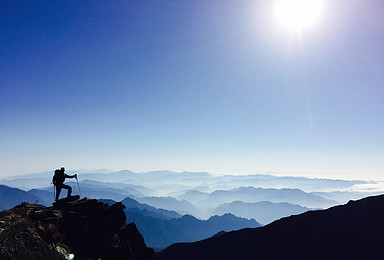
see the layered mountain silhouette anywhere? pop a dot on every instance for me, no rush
(169, 203)
(9, 197)
(161, 228)
(147, 210)
(160, 233)
(161, 183)
(252, 194)
(351, 231)
(80, 229)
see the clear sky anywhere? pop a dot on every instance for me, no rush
(203, 85)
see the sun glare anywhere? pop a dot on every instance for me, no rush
(297, 15)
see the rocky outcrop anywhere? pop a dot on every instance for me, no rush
(81, 229)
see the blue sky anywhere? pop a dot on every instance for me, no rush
(199, 85)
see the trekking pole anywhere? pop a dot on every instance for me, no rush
(78, 185)
(54, 192)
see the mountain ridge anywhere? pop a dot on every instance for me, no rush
(264, 211)
(351, 231)
(9, 197)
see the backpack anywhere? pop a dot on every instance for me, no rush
(58, 177)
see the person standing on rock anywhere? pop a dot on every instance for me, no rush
(58, 181)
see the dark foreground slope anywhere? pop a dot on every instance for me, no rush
(351, 231)
(83, 229)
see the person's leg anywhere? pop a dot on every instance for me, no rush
(69, 188)
(58, 190)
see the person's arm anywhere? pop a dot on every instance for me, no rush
(70, 176)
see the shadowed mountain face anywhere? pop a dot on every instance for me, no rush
(352, 231)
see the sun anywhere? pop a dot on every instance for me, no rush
(297, 15)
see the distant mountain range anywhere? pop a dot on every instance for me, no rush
(182, 207)
(160, 233)
(161, 183)
(252, 194)
(93, 189)
(264, 211)
(353, 231)
(246, 202)
(149, 210)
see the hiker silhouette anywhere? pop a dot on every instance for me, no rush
(58, 181)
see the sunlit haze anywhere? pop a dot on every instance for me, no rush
(297, 15)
